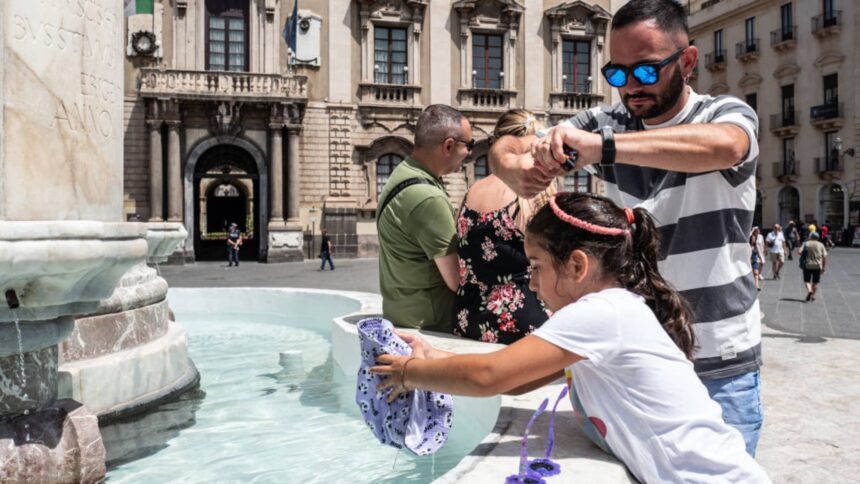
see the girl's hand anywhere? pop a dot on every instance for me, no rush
(393, 366)
(420, 347)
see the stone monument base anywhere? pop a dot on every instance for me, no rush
(60, 443)
(286, 243)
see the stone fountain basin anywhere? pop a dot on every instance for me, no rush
(162, 239)
(60, 268)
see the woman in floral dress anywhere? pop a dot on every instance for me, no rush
(494, 303)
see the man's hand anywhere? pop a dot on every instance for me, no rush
(511, 160)
(549, 151)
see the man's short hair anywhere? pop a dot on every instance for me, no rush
(436, 123)
(670, 15)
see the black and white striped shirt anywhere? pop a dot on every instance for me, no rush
(705, 220)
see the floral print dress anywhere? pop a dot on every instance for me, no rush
(494, 302)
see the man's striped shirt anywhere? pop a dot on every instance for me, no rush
(705, 221)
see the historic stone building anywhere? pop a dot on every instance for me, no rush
(223, 125)
(797, 63)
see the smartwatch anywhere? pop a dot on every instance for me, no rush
(608, 136)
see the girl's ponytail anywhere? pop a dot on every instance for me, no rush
(644, 279)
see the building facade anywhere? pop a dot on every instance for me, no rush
(797, 63)
(224, 124)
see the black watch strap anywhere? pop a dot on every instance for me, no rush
(608, 135)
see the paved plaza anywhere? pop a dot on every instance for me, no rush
(810, 388)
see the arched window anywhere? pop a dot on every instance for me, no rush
(578, 181)
(789, 205)
(227, 35)
(384, 166)
(832, 205)
(481, 167)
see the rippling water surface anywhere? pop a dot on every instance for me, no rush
(253, 420)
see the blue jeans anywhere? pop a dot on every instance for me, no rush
(326, 256)
(740, 398)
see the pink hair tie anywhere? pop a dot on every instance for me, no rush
(630, 217)
(582, 224)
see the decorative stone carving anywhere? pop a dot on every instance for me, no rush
(787, 71)
(829, 62)
(750, 80)
(226, 121)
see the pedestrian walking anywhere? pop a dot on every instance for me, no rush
(325, 251)
(813, 261)
(776, 248)
(757, 255)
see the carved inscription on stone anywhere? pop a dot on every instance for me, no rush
(83, 33)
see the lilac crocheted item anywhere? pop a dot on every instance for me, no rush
(418, 420)
(547, 467)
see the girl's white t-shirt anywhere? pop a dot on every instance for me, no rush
(642, 393)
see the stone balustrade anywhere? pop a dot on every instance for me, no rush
(190, 84)
(570, 102)
(484, 99)
(389, 94)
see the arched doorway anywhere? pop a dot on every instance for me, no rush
(831, 205)
(789, 205)
(226, 190)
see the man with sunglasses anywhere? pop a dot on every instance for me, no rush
(690, 160)
(418, 266)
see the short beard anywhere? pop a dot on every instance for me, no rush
(662, 102)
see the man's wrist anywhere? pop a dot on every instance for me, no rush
(607, 136)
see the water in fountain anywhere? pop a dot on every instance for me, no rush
(21, 370)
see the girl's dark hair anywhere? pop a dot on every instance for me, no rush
(630, 258)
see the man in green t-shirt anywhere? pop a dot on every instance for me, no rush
(418, 266)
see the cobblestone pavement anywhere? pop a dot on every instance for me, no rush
(810, 391)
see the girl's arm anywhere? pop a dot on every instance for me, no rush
(525, 362)
(536, 384)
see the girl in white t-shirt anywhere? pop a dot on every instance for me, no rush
(622, 336)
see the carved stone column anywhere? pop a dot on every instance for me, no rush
(286, 239)
(174, 173)
(156, 175)
(294, 172)
(276, 173)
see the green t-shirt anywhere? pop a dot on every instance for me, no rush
(416, 227)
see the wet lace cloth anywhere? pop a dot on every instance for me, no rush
(418, 420)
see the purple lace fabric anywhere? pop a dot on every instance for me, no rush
(419, 420)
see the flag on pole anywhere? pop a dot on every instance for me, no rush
(134, 7)
(291, 27)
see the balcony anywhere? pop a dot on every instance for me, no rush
(473, 99)
(828, 24)
(827, 116)
(785, 171)
(716, 61)
(571, 102)
(389, 95)
(829, 168)
(784, 38)
(220, 85)
(747, 50)
(784, 124)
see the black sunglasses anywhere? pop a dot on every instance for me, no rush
(647, 73)
(470, 144)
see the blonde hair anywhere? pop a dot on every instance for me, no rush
(519, 123)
